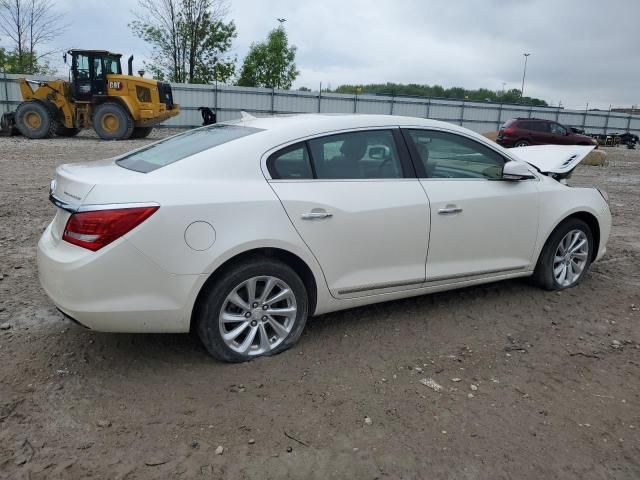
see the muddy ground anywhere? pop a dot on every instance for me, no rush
(549, 383)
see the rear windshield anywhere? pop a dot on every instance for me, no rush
(182, 146)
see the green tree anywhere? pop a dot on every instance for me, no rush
(25, 63)
(479, 95)
(190, 39)
(271, 63)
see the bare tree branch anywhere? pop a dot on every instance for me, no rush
(29, 25)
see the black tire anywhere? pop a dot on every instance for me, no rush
(521, 143)
(112, 121)
(63, 131)
(141, 132)
(543, 274)
(36, 120)
(212, 301)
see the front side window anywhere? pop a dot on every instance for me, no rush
(448, 155)
(356, 155)
(558, 129)
(182, 146)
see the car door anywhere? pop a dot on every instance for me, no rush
(480, 224)
(356, 203)
(540, 132)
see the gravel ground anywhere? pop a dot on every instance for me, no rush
(535, 384)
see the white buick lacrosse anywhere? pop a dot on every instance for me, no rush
(242, 230)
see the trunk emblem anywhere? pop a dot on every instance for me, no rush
(72, 196)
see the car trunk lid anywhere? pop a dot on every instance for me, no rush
(73, 184)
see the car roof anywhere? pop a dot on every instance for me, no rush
(533, 119)
(309, 124)
(275, 132)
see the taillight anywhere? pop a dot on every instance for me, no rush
(98, 228)
(508, 131)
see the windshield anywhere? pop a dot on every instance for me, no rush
(182, 146)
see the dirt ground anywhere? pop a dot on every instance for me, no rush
(535, 385)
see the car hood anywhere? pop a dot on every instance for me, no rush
(558, 159)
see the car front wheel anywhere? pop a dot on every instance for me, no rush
(566, 257)
(256, 308)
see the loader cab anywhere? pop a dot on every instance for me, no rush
(89, 70)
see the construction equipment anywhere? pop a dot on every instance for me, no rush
(97, 95)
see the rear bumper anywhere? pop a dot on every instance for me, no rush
(505, 142)
(116, 289)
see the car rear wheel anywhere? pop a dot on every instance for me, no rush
(522, 143)
(257, 308)
(566, 257)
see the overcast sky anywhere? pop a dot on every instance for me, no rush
(581, 50)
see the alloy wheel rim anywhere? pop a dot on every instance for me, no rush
(257, 315)
(570, 258)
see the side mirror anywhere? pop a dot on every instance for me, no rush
(516, 171)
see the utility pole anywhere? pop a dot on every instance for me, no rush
(524, 74)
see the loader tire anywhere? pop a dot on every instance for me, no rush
(66, 131)
(35, 120)
(112, 121)
(141, 132)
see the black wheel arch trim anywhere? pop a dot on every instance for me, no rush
(298, 265)
(592, 222)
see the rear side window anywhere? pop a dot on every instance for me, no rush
(539, 126)
(182, 146)
(292, 163)
(356, 155)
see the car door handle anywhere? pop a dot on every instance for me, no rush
(316, 215)
(449, 210)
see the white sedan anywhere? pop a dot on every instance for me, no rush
(240, 231)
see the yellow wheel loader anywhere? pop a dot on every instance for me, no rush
(97, 95)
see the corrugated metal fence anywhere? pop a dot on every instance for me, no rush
(228, 101)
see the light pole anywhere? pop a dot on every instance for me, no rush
(524, 74)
